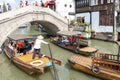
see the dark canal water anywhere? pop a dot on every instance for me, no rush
(8, 71)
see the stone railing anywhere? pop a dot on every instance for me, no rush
(15, 12)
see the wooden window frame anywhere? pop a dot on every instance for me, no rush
(105, 19)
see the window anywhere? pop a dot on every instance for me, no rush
(80, 19)
(106, 19)
(65, 5)
(112, 1)
(96, 2)
(70, 6)
(108, 1)
(82, 3)
(101, 1)
(105, 1)
(66, 17)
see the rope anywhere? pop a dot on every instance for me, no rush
(54, 69)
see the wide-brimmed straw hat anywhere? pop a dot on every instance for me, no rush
(40, 37)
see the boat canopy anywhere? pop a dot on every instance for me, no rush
(68, 33)
(19, 37)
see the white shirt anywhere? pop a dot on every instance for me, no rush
(38, 43)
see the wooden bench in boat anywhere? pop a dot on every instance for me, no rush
(108, 57)
(110, 66)
(106, 61)
(88, 49)
(81, 60)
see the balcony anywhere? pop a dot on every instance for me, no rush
(108, 7)
(102, 7)
(83, 9)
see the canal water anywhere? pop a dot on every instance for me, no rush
(8, 71)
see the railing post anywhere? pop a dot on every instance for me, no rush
(118, 54)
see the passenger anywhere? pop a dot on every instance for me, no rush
(65, 40)
(32, 48)
(70, 40)
(61, 42)
(27, 47)
(19, 46)
(80, 37)
(59, 39)
(11, 45)
(74, 41)
(37, 46)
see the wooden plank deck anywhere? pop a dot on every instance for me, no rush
(88, 49)
(28, 59)
(81, 60)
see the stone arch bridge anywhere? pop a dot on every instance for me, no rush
(11, 20)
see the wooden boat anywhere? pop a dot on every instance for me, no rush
(81, 48)
(103, 65)
(25, 62)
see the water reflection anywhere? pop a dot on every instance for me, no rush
(104, 46)
(8, 71)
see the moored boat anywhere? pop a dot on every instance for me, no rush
(103, 65)
(80, 46)
(25, 62)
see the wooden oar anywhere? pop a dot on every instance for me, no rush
(54, 69)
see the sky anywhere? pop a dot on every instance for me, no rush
(15, 3)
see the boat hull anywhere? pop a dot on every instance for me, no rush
(87, 69)
(25, 67)
(81, 50)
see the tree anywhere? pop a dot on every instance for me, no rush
(4, 7)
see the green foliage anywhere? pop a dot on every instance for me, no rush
(88, 31)
(82, 24)
(4, 7)
(72, 22)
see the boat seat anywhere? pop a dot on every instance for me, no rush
(88, 49)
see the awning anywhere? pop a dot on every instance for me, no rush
(68, 33)
(19, 37)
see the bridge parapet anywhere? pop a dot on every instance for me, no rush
(15, 12)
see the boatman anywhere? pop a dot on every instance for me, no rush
(37, 45)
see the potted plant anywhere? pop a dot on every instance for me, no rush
(72, 22)
(88, 31)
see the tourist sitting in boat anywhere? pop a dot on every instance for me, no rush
(74, 41)
(80, 36)
(32, 48)
(27, 47)
(70, 40)
(59, 39)
(11, 45)
(19, 46)
(65, 41)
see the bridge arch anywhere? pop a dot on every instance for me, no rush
(11, 20)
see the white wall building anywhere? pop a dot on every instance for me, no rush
(63, 7)
(95, 15)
